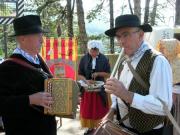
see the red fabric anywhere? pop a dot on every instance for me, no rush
(70, 49)
(55, 49)
(47, 49)
(63, 49)
(92, 107)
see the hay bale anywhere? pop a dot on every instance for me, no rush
(170, 48)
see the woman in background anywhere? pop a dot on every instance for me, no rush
(93, 66)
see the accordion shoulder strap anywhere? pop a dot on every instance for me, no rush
(21, 62)
(25, 64)
(165, 107)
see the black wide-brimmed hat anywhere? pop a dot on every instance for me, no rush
(30, 24)
(127, 21)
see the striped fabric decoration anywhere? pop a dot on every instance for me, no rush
(60, 55)
(19, 13)
(6, 20)
(20, 8)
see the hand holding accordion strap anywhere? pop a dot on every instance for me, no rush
(165, 107)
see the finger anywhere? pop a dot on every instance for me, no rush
(109, 91)
(49, 98)
(48, 103)
(47, 94)
(47, 106)
(110, 88)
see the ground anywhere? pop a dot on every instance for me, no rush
(69, 126)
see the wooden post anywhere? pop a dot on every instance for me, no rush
(5, 39)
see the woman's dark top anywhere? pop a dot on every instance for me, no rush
(85, 69)
(85, 66)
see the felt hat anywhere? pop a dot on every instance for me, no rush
(127, 20)
(30, 24)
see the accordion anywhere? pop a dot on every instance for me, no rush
(65, 95)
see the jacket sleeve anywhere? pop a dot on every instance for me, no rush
(14, 92)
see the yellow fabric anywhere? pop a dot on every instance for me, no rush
(89, 123)
(67, 53)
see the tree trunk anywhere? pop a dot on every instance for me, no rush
(130, 7)
(137, 8)
(111, 24)
(177, 17)
(82, 30)
(153, 14)
(146, 14)
(69, 19)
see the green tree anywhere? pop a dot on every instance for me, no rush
(81, 25)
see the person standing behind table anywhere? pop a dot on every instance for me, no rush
(146, 114)
(22, 96)
(94, 105)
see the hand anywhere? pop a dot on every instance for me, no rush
(94, 75)
(90, 82)
(43, 99)
(116, 87)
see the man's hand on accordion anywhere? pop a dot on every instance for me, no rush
(43, 99)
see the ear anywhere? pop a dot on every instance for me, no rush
(141, 34)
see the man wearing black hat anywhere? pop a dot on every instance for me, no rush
(22, 96)
(139, 97)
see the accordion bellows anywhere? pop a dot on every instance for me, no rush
(170, 48)
(65, 95)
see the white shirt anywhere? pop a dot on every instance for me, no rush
(93, 63)
(27, 56)
(160, 86)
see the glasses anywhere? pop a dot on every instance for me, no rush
(126, 35)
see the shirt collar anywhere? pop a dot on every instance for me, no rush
(27, 55)
(141, 50)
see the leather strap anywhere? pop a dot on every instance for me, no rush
(171, 118)
(21, 62)
(137, 76)
(165, 107)
(25, 64)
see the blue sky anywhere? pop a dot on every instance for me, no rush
(99, 26)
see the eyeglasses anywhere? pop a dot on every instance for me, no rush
(125, 35)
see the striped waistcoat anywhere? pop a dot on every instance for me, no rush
(139, 120)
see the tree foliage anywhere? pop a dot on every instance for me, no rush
(60, 19)
(92, 14)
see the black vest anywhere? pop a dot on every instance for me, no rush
(139, 120)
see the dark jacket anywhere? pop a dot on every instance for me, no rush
(85, 69)
(85, 66)
(17, 82)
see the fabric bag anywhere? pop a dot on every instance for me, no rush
(108, 127)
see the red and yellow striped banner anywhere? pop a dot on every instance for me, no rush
(61, 56)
